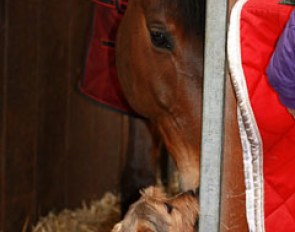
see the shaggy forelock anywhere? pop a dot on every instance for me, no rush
(150, 214)
(154, 215)
(189, 13)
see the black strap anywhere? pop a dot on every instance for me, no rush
(119, 5)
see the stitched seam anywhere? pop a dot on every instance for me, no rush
(277, 141)
(282, 198)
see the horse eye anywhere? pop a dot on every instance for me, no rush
(169, 208)
(160, 40)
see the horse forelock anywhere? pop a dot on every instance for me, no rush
(188, 13)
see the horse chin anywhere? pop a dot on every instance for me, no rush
(189, 179)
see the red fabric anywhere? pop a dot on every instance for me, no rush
(100, 80)
(262, 22)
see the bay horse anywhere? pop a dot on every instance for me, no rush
(159, 55)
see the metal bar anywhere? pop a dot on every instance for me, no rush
(213, 115)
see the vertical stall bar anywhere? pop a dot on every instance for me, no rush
(213, 115)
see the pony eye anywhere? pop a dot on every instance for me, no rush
(160, 39)
(169, 208)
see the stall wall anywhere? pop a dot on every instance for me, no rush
(57, 147)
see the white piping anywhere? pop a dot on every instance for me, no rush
(250, 136)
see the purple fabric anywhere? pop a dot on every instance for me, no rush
(281, 69)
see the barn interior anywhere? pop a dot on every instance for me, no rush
(58, 149)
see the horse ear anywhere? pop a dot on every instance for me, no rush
(153, 193)
(117, 228)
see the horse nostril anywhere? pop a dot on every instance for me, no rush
(194, 193)
(197, 191)
(191, 192)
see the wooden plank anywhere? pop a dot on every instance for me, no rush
(53, 87)
(2, 105)
(95, 141)
(233, 216)
(21, 113)
(94, 151)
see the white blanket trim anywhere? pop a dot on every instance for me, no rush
(249, 133)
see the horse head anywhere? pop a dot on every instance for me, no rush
(160, 67)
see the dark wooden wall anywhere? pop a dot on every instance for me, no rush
(56, 147)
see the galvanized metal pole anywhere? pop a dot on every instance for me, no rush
(213, 115)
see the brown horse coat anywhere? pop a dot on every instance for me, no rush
(160, 67)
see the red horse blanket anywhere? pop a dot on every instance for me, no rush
(267, 129)
(100, 80)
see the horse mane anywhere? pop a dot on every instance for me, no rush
(189, 13)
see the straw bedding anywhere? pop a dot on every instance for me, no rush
(98, 216)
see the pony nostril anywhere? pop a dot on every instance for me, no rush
(192, 193)
(197, 191)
